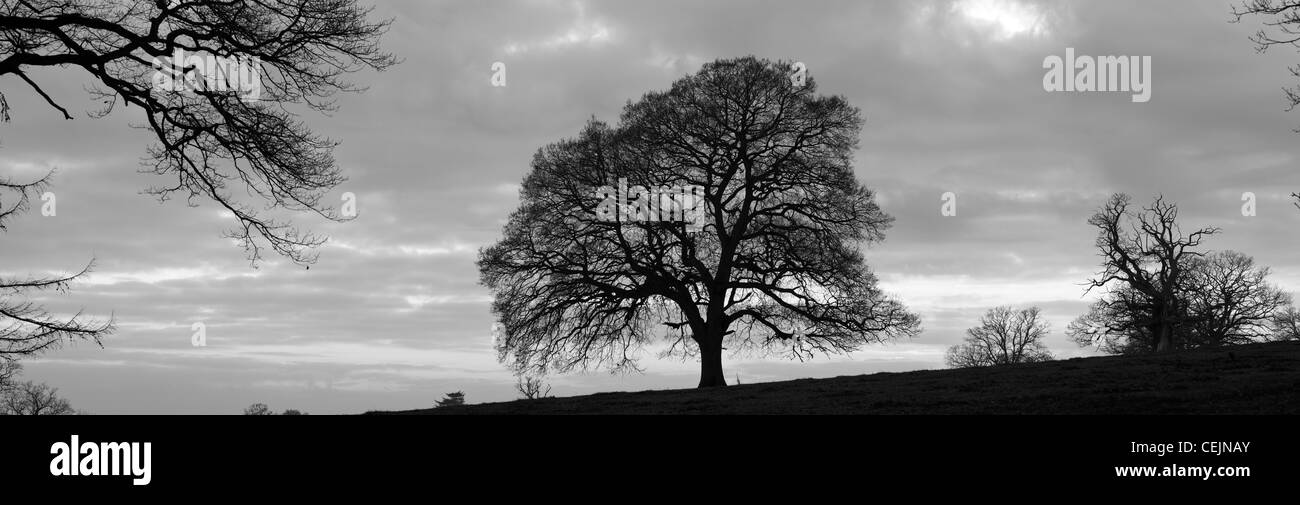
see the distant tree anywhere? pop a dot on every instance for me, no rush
(9, 369)
(26, 328)
(771, 259)
(1004, 336)
(33, 399)
(532, 387)
(258, 409)
(1231, 301)
(293, 412)
(452, 399)
(1286, 324)
(209, 135)
(1223, 298)
(1145, 259)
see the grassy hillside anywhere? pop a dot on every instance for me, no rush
(1254, 379)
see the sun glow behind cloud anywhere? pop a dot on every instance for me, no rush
(1005, 18)
(583, 31)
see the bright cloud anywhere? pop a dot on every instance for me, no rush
(583, 31)
(1006, 18)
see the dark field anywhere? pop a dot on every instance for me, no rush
(1254, 379)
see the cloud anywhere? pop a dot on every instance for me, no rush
(1005, 19)
(581, 31)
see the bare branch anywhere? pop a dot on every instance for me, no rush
(231, 130)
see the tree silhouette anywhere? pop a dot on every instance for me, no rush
(1224, 299)
(33, 399)
(532, 388)
(452, 399)
(741, 232)
(1004, 336)
(212, 141)
(1161, 294)
(1145, 257)
(1286, 324)
(1231, 301)
(25, 327)
(258, 409)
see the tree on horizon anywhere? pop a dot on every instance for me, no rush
(762, 254)
(1160, 292)
(1004, 336)
(1145, 257)
(451, 400)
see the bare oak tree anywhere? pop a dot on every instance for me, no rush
(1004, 336)
(212, 141)
(1145, 257)
(772, 262)
(1286, 324)
(1231, 301)
(27, 328)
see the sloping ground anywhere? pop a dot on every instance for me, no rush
(1254, 379)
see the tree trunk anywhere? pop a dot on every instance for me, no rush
(711, 364)
(1165, 339)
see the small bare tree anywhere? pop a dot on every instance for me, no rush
(532, 388)
(33, 399)
(1286, 324)
(1004, 336)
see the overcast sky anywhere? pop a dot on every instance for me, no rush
(392, 317)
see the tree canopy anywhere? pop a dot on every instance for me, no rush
(1004, 336)
(1160, 292)
(759, 249)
